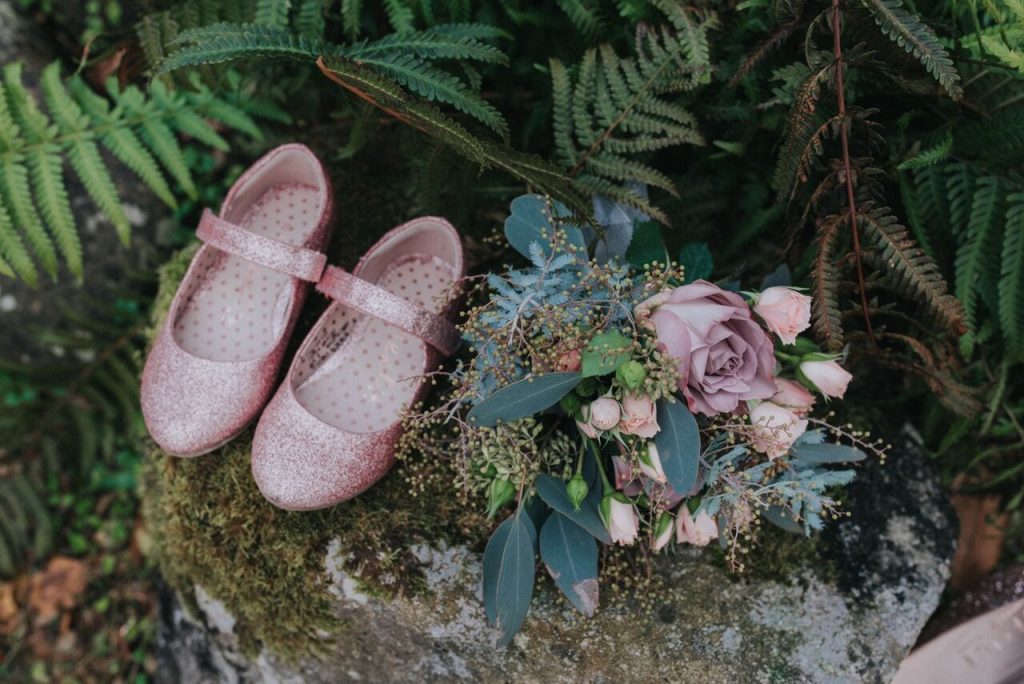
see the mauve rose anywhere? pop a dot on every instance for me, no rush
(829, 377)
(785, 311)
(793, 395)
(639, 416)
(724, 356)
(698, 531)
(774, 428)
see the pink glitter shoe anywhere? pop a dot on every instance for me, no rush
(330, 431)
(216, 358)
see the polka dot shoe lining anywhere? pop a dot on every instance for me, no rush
(362, 382)
(237, 308)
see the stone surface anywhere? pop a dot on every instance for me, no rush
(848, 615)
(111, 270)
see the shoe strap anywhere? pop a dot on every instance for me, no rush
(437, 331)
(299, 262)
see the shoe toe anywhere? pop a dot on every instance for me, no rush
(300, 463)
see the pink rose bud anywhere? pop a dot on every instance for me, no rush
(793, 395)
(662, 532)
(599, 415)
(774, 428)
(650, 463)
(699, 531)
(639, 416)
(828, 377)
(604, 413)
(569, 362)
(620, 518)
(785, 311)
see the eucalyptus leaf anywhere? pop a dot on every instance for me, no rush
(697, 262)
(570, 554)
(678, 444)
(552, 490)
(509, 569)
(529, 222)
(781, 518)
(815, 454)
(780, 277)
(523, 398)
(647, 245)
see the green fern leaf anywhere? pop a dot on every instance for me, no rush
(1011, 278)
(14, 188)
(352, 17)
(51, 197)
(13, 254)
(309, 19)
(272, 13)
(399, 16)
(975, 253)
(930, 156)
(225, 42)
(430, 44)
(583, 16)
(561, 88)
(82, 151)
(910, 33)
(387, 95)
(157, 136)
(693, 33)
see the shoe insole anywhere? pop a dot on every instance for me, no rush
(237, 308)
(360, 373)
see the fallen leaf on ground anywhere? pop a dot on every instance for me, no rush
(9, 613)
(57, 587)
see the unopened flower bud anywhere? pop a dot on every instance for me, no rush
(576, 489)
(631, 374)
(500, 493)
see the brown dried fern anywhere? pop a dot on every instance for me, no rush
(825, 275)
(910, 269)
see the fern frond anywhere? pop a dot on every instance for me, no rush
(399, 16)
(272, 13)
(929, 156)
(139, 131)
(583, 16)
(397, 57)
(82, 151)
(309, 18)
(1011, 277)
(617, 107)
(693, 33)
(910, 33)
(388, 96)
(910, 269)
(805, 129)
(15, 257)
(825, 279)
(351, 17)
(976, 256)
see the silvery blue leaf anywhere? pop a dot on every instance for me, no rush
(617, 220)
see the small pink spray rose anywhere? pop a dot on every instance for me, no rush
(620, 518)
(775, 428)
(639, 416)
(828, 377)
(698, 531)
(785, 311)
(792, 395)
(599, 415)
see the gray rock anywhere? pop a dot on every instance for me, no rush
(111, 270)
(854, 623)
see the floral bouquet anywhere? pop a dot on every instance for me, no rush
(617, 397)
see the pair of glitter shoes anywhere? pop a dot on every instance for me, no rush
(329, 430)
